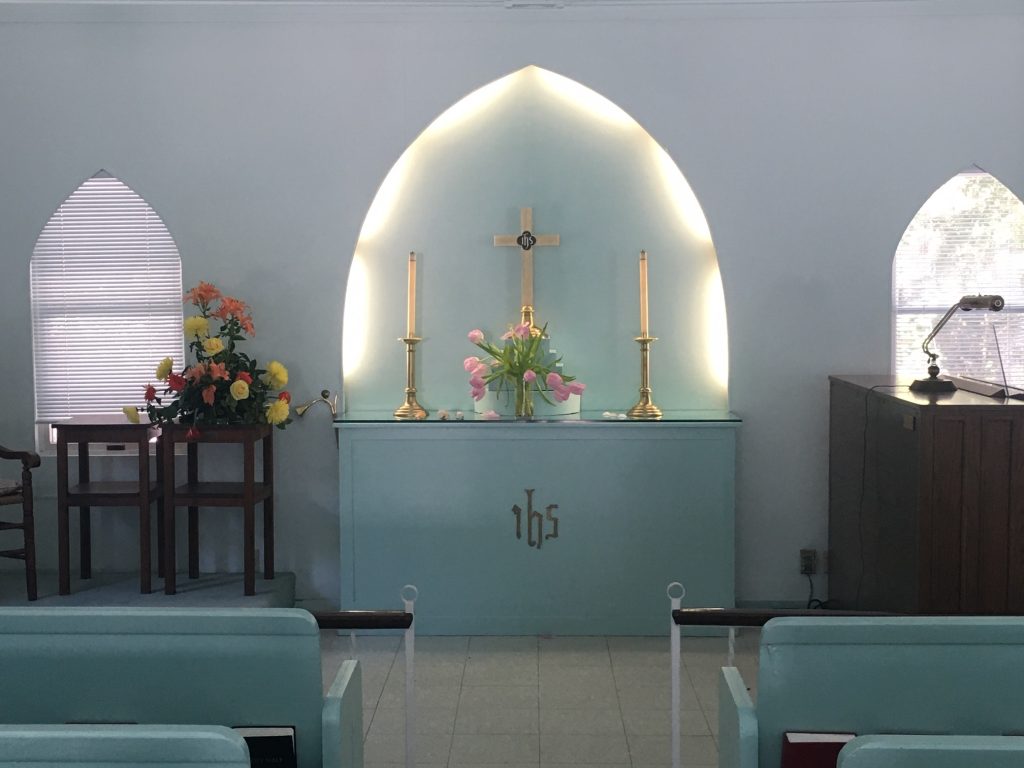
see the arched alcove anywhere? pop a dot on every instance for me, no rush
(593, 176)
(967, 238)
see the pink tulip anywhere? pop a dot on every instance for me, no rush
(470, 363)
(476, 336)
(554, 380)
(491, 415)
(576, 387)
(477, 394)
(481, 369)
(562, 394)
(522, 330)
(529, 375)
(506, 335)
(477, 383)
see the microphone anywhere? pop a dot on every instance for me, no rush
(933, 385)
(987, 301)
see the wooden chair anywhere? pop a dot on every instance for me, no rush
(19, 492)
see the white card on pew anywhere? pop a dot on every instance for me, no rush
(796, 738)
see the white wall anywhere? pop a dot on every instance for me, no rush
(811, 133)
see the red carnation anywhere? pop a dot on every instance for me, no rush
(176, 382)
(286, 396)
(150, 393)
(244, 376)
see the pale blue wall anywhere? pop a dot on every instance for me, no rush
(260, 133)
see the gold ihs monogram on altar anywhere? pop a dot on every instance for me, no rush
(535, 517)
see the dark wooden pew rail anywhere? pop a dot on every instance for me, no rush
(363, 619)
(755, 617)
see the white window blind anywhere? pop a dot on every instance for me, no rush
(106, 302)
(968, 238)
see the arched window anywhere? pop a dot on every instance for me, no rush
(967, 239)
(106, 303)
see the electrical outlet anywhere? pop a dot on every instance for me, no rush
(808, 562)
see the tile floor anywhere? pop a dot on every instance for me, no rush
(542, 702)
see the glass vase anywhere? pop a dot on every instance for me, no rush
(524, 400)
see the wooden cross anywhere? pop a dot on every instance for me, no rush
(527, 241)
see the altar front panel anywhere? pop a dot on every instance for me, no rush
(637, 505)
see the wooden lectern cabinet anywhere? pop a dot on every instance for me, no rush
(926, 499)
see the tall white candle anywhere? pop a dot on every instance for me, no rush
(410, 318)
(643, 293)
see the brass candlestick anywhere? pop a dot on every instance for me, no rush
(527, 319)
(410, 410)
(644, 408)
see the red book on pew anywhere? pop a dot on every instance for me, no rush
(813, 750)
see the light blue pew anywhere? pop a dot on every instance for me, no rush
(938, 675)
(126, 746)
(231, 667)
(933, 752)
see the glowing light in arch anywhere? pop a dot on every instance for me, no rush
(356, 323)
(387, 196)
(469, 106)
(716, 336)
(681, 194)
(589, 101)
(677, 198)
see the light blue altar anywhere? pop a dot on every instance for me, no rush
(569, 524)
(637, 505)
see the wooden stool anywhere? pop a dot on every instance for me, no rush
(86, 494)
(195, 494)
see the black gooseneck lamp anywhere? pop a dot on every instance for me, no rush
(933, 384)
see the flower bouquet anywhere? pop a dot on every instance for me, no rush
(223, 385)
(522, 363)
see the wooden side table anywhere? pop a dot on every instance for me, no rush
(246, 494)
(85, 494)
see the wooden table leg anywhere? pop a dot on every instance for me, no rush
(170, 567)
(145, 544)
(30, 533)
(249, 504)
(63, 528)
(159, 508)
(84, 515)
(193, 542)
(160, 548)
(268, 507)
(193, 514)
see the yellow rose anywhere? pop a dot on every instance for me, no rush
(213, 345)
(164, 369)
(239, 390)
(277, 375)
(131, 413)
(277, 412)
(196, 326)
